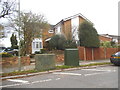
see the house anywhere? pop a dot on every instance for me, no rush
(107, 37)
(47, 34)
(69, 26)
(104, 38)
(39, 43)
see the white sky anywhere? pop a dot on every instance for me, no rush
(103, 13)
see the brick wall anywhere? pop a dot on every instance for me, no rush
(67, 29)
(13, 61)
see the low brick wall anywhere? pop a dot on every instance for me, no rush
(60, 58)
(13, 61)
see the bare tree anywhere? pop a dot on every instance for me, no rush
(74, 33)
(1, 31)
(7, 7)
(31, 27)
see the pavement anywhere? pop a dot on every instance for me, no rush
(32, 66)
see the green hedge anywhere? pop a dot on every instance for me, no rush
(6, 55)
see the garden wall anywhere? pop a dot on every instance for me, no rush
(13, 61)
(96, 53)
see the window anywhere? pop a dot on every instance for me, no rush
(33, 44)
(40, 44)
(37, 45)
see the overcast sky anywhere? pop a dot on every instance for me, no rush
(103, 13)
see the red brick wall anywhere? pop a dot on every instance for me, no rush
(13, 61)
(98, 53)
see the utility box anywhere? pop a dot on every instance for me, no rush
(44, 61)
(71, 57)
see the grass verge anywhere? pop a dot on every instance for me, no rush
(57, 67)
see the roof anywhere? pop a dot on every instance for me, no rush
(110, 36)
(71, 17)
(48, 39)
(74, 16)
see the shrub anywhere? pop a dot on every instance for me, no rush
(37, 52)
(6, 54)
(88, 35)
(57, 42)
(43, 50)
(32, 55)
(106, 44)
(70, 44)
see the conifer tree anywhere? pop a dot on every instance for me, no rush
(88, 35)
(14, 41)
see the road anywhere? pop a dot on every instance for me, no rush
(100, 77)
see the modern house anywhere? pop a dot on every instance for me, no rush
(107, 37)
(69, 26)
(104, 38)
(39, 43)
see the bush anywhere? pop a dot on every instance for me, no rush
(6, 55)
(37, 52)
(70, 44)
(43, 50)
(57, 42)
(88, 35)
(32, 55)
(106, 44)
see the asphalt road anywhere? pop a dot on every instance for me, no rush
(100, 77)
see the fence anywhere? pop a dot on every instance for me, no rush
(96, 53)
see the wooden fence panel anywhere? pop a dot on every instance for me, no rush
(81, 53)
(97, 54)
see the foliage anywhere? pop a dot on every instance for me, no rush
(37, 52)
(113, 44)
(43, 50)
(88, 35)
(6, 54)
(70, 44)
(94, 64)
(14, 41)
(108, 44)
(57, 42)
